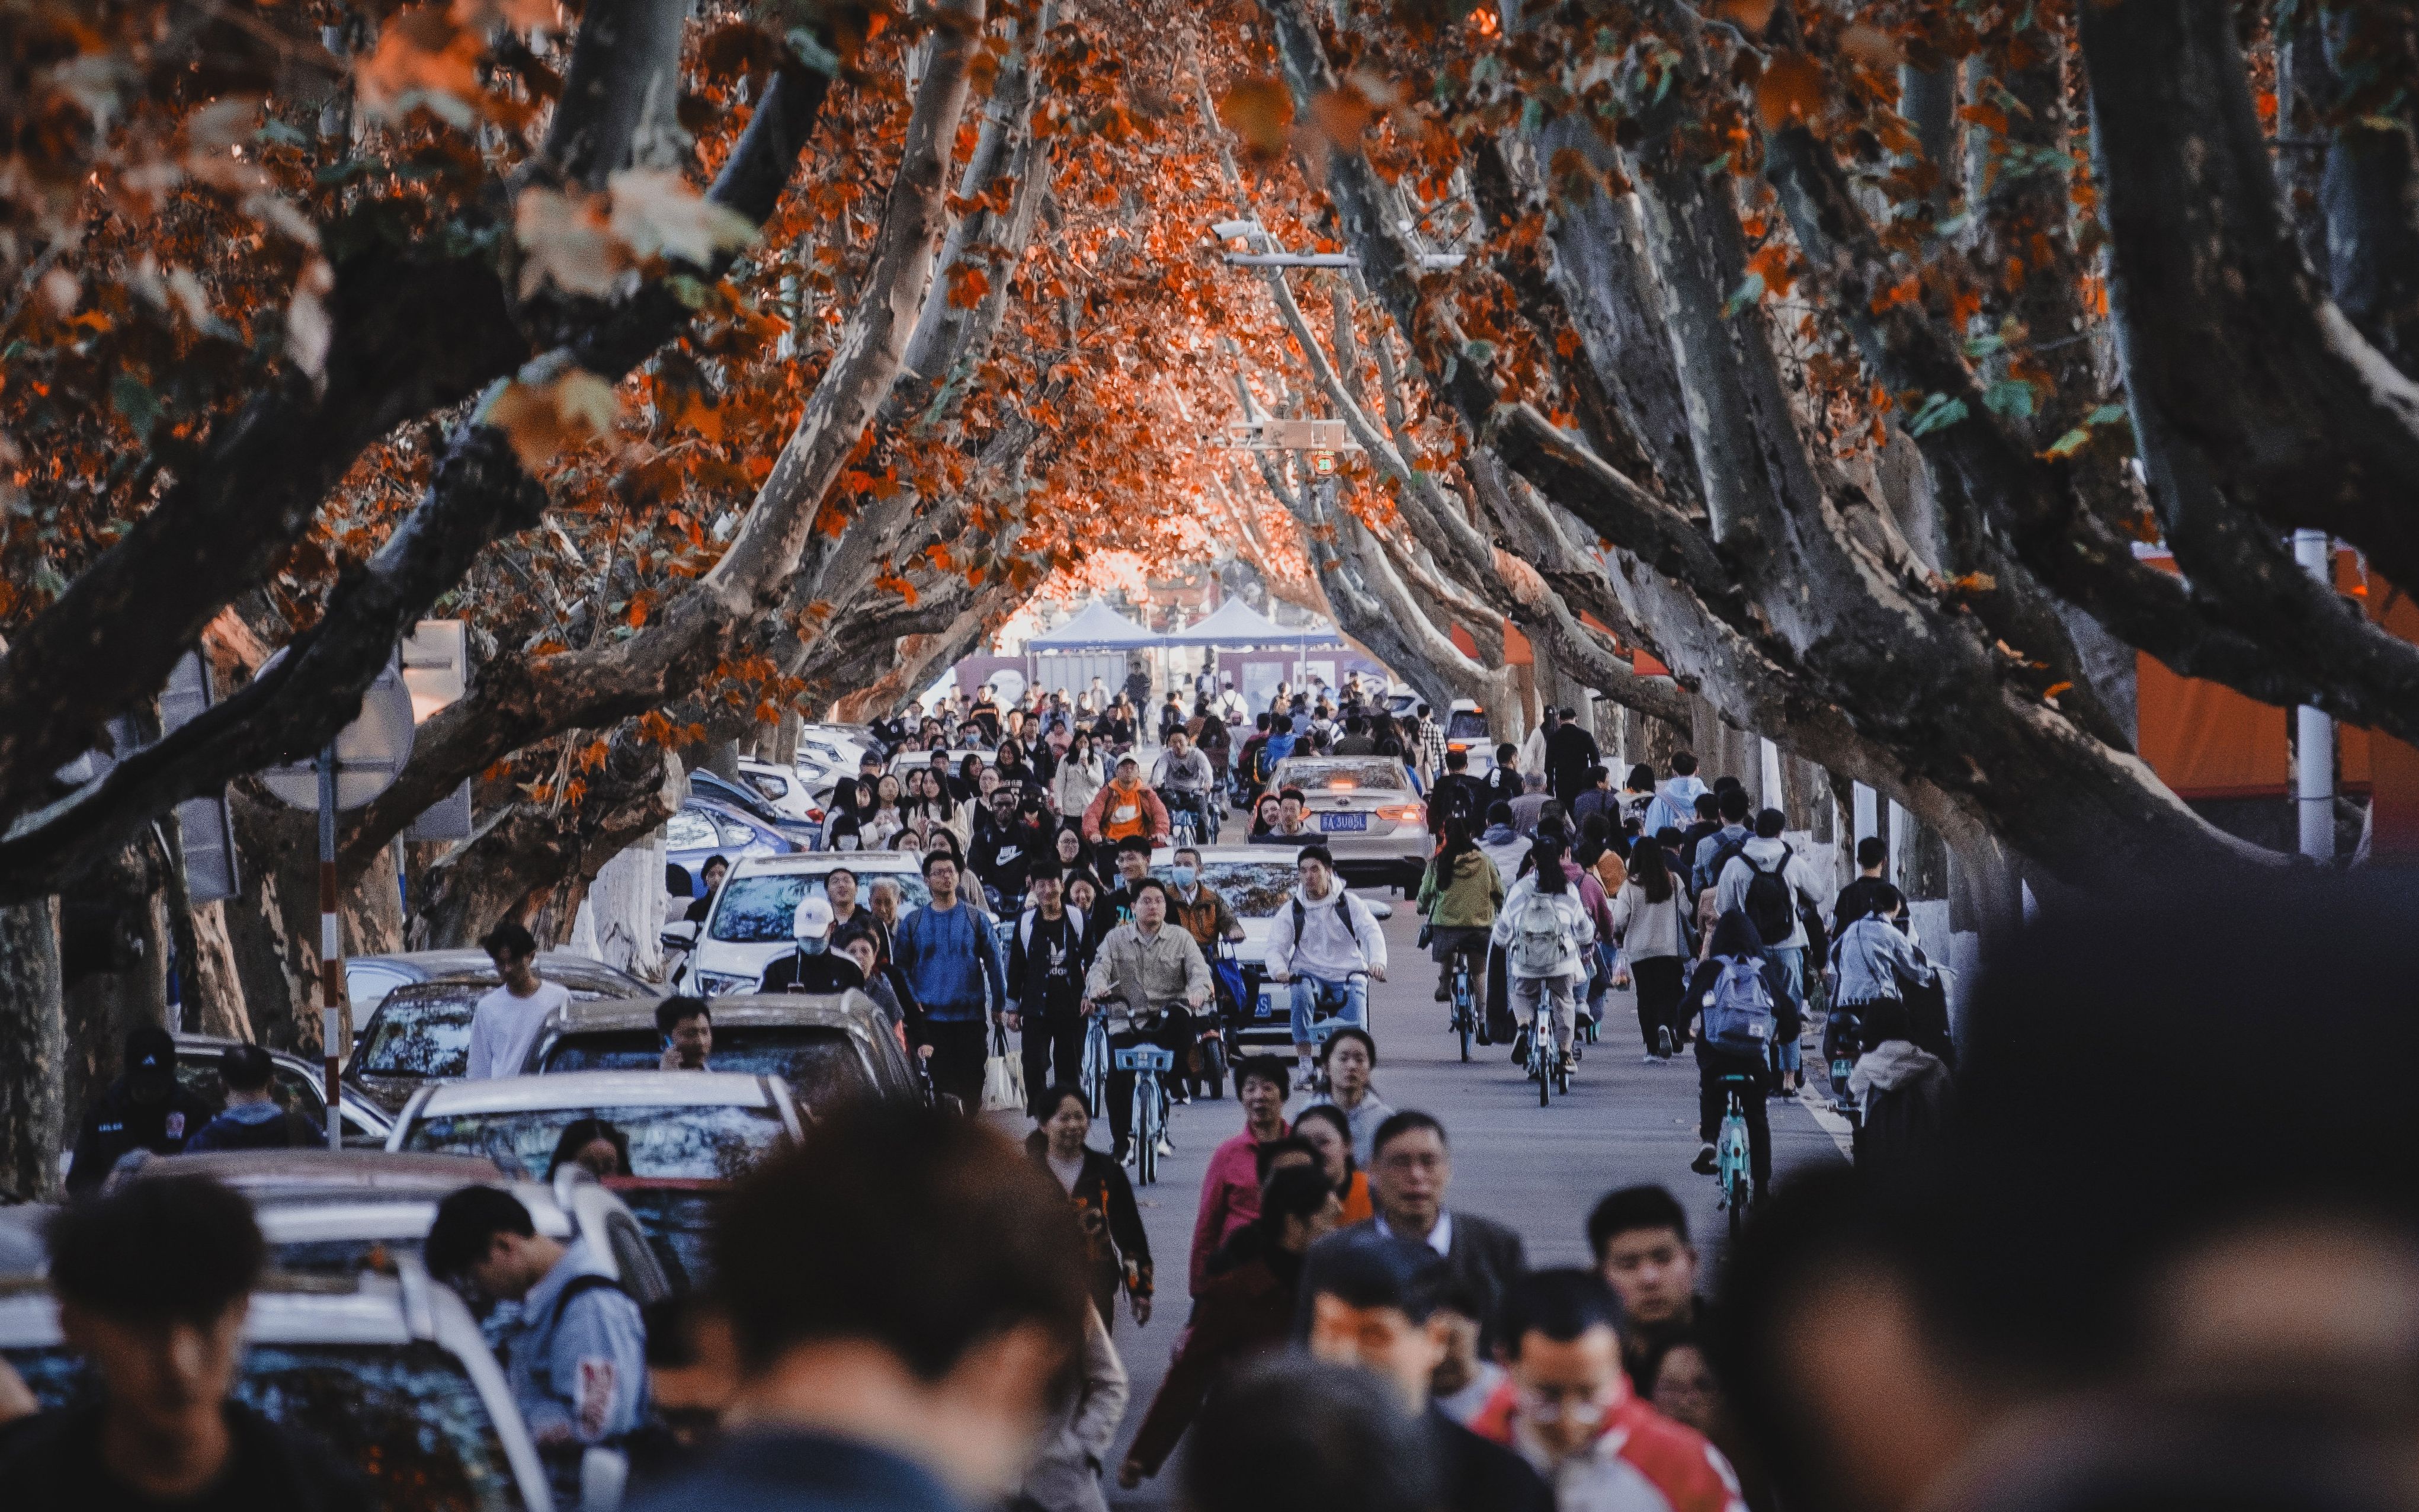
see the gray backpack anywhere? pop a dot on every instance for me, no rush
(1737, 1008)
(1539, 939)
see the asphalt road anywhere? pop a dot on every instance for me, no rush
(1537, 1169)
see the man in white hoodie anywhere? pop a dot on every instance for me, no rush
(1328, 944)
(1676, 801)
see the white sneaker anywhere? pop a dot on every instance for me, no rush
(1166, 1150)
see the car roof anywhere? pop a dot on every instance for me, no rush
(267, 1174)
(356, 1307)
(1210, 854)
(815, 863)
(851, 1010)
(598, 1088)
(569, 967)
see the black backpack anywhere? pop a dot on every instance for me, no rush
(1769, 905)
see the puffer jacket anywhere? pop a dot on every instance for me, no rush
(1466, 900)
(1073, 784)
(1579, 930)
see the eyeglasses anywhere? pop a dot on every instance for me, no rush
(1579, 1405)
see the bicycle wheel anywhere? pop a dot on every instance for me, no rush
(1146, 1131)
(1461, 1005)
(1540, 1037)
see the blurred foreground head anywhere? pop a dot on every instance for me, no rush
(2169, 1256)
(907, 1279)
(1291, 1434)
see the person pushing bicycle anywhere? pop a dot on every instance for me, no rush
(1149, 974)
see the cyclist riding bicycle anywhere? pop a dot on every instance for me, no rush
(1545, 932)
(1460, 895)
(1737, 989)
(1210, 920)
(1148, 977)
(1328, 944)
(1185, 780)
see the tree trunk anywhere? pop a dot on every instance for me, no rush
(272, 929)
(33, 1051)
(114, 967)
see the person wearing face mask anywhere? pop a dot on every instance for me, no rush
(811, 966)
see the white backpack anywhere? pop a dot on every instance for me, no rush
(1540, 940)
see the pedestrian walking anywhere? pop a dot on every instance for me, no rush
(575, 1351)
(1290, 1434)
(144, 1108)
(1323, 1127)
(506, 1022)
(1345, 1065)
(154, 1283)
(1066, 1473)
(251, 1119)
(1646, 924)
(950, 956)
(1046, 964)
(1230, 1187)
(1243, 1312)
(1639, 1237)
(1118, 1244)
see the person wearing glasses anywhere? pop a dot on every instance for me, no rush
(1566, 1406)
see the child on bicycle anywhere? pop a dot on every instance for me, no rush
(1735, 983)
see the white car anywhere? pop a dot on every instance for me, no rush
(788, 789)
(1256, 881)
(338, 1214)
(389, 1371)
(687, 1134)
(1466, 729)
(1366, 811)
(835, 747)
(751, 923)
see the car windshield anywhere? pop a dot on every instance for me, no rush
(198, 1074)
(762, 909)
(675, 1221)
(423, 1030)
(1466, 725)
(711, 1141)
(821, 1065)
(406, 1415)
(1254, 890)
(1341, 774)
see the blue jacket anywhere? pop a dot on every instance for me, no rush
(579, 1364)
(951, 956)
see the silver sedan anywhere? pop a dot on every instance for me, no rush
(1366, 810)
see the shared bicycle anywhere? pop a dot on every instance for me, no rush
(1732, 1154)
(1546, 1066)
(1096, 1064)
(1462, 995)
(1148, 1063)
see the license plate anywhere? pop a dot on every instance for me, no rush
(1333, 822)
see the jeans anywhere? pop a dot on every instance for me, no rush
(1173, 1034)
(1560, 994)
(1205, 818)
(1347, 1001)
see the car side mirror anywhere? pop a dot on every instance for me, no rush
(681, 934)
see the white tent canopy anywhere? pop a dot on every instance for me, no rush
(1236, 624)
(1097, 627)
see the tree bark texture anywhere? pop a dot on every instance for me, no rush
(33, 1051)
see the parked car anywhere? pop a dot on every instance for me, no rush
(703, 829)
(369, 977)
(746, 798)
(299, 1086)
(788, 789)
(338, 1214)
(753, 914)
(1466, 729)
(828, 1049)
(690, 1134)
(1256, 881)
(422, 1032)
(388, 1370)
(1366, 811)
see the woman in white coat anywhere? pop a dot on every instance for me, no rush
(1079, 777)
(1544, 931)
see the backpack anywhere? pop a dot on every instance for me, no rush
(1768, 903)
(1540, 941)
(1738, 1009)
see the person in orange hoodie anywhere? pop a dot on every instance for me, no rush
(1125, 807)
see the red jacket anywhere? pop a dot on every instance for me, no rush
(1641, 1461)
(1230, 1198)
(1100, 818)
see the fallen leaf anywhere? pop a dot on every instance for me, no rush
(1791, 87)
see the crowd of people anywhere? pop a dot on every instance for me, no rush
(2188, 1280)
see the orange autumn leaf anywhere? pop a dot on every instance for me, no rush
(1771, 263)
(1872, 47)
(1340, 115)
(1261, 112)
(1791, 87)
(1752, 16)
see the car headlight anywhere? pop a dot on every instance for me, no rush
(711, 983)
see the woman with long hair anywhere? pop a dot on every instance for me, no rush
(1079, 777)
(1654, 951)
(1102, 1198)
(883, 826)
(1734, 966)
(1264, 815)
(1460, 894)
(1325, 1128)
(1544, 932)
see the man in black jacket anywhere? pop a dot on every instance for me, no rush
(1006, 843)
(813, 967)
(1046, 962)
(144, 1109)
(154, 1282)
(1411, 1166)
(1116, 906)
(1374, 1304)
(251, 1119)
(1570, 750)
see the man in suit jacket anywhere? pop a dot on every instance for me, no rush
(1410, 1168)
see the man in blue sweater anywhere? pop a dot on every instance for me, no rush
(951, 960)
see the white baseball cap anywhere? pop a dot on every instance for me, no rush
(813, 920)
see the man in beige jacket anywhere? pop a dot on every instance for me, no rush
(1151, 973)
